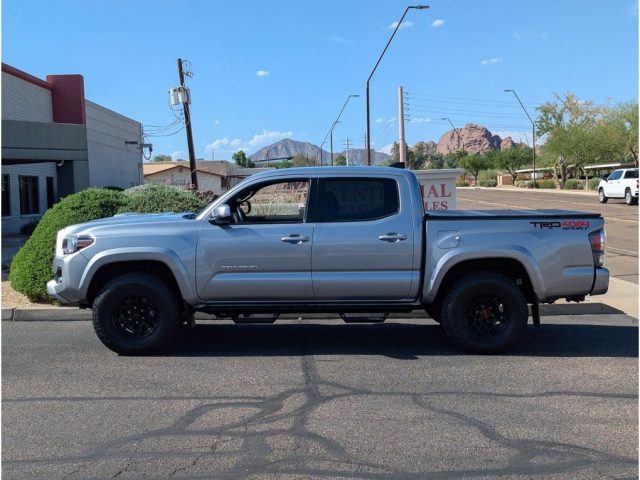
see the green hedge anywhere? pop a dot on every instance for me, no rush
(573, 184)
(489, 182)
(151, 198)
(594, 183)
(546, 183)
(31, 267)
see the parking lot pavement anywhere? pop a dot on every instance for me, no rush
(300, 399)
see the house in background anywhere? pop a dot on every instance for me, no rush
(216, 176)
(55, 142)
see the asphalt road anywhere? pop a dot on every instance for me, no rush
(621, 220)
(321, 400)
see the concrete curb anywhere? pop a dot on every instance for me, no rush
(70, 314)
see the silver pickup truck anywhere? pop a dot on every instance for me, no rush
(353, 241)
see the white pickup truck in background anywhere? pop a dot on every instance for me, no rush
(622, 183)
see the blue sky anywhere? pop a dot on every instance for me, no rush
(267, 70)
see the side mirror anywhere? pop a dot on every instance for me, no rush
(221, 214)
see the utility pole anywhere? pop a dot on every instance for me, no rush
(187, 121)
(401, 143)
(347, 145)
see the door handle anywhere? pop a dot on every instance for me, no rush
(295, 239)
(392, 237)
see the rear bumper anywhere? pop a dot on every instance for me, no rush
(600, 282)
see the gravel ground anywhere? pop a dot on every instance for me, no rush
(13, 299)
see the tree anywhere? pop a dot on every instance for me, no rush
(576, 134)
(474, 164)
(395, 153)
(162, 158)
(512, 159)
(241, 160)
(453, 159)
(417, 156)
(340, 160)
(435, 160)
(623, 127)
(301, 161)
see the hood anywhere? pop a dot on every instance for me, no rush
(126, 221)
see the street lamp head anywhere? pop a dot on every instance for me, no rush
(420, 7)
(354, 96)
(444, 118)
(508, 90)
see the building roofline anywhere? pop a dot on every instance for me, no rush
(26, 76)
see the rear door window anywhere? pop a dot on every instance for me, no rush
(631, 174)
(358, 199)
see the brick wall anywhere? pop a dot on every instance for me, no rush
(22, 100)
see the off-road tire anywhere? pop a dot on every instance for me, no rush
(629, 199)
(161, 309)
(602, 197)
(484, 313)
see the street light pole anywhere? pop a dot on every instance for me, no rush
(333, 125)
(533, 127)
(417, 7)
(457, 133)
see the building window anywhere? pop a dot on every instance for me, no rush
(29, 195)
(6, 196)
(50, 193)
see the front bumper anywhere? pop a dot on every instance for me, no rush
(56, 289)
(600, 282)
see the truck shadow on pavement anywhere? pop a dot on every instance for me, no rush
(395, 340)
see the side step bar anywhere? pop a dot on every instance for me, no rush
(364, 319)
(244, 318)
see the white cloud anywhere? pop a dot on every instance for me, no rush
(391, 119)
(490, 61)
(532, 34)
(339, 39)
(437, 23)
(262, 73)
(176, 155)
(404, 25)
(225, 147)
(379, 120)
(217, 122)
(419, 119)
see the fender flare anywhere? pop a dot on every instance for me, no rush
(459, 255)
(133, 254)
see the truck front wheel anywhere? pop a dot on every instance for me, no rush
(602, 197)
(136, 313)
(484, 312)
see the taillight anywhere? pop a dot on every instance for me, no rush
(598, 240)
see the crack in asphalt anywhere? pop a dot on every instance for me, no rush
(313, 451)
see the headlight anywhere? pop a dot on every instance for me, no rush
(74, 243)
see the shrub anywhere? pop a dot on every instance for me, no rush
(461, 182)
(151, 198)
(546, 183)
(487, 175)
(31, 267)
(489, 182)
(114, 188)
(573, 184)
(522, 184)
(594, 183)
(207, 196)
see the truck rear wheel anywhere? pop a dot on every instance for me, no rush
(484, 312)
(135, 314)
(629, 199)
